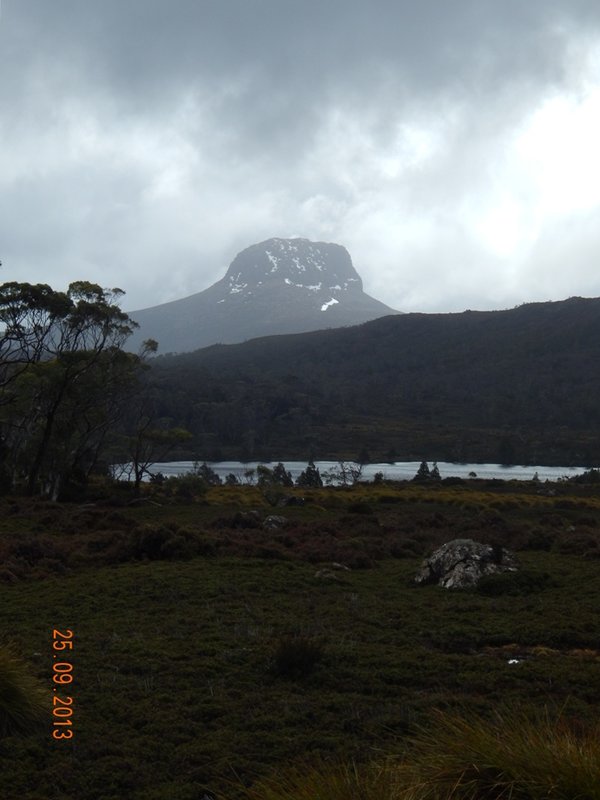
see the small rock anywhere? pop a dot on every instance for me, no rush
(326, 574)
(273, 521)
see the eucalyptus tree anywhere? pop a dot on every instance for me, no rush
(29, 316)
(63, 378)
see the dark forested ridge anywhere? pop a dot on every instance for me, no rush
(515, 386)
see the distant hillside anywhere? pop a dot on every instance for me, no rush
(275, 287)
(517, 386)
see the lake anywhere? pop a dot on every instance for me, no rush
(401, 470)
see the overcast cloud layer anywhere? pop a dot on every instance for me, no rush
(452, 147)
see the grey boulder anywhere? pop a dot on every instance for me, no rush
(461, 563)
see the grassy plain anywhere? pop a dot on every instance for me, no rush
(209, 656)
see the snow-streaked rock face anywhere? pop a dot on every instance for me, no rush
(274, 287)
(324, 270)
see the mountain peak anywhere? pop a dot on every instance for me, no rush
(273, 287)
(312, 266)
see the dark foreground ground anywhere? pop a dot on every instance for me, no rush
(208, 653)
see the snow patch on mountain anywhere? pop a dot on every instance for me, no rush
(311, 287)
(329, 303)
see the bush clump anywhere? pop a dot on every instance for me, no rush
(523, 582)
(297, 655)
(577, 543)
(361, 507)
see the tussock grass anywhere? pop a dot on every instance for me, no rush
(24, 703)
(510, 756)
(331, 782)
(455, 758)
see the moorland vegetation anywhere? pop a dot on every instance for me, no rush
(215, 653)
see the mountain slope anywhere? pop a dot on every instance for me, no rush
(275, 287)
(516, 386)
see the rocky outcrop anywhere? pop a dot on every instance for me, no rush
(461, 563)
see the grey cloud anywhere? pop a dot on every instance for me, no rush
(146, 133)
(290, 55)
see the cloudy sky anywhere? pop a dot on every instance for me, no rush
(452, 147)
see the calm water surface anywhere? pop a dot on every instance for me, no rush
(400, 470)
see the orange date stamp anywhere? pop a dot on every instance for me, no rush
(62, 675)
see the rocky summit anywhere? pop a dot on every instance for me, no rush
(275, 287)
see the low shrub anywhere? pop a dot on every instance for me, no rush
(240, 520)
(523, 582)
(391, 499)
(453, 481)
(361, 507)
(150, 543)
(171, 543)
(539, 539)
(359, 524)
(34, 548)
(185, 487)
(577, 543)
(296, 656)
(407, 548)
